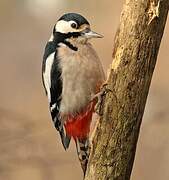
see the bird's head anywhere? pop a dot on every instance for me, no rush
(72, 26)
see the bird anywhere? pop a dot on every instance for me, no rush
(72, 76)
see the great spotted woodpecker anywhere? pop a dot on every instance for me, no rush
(72, 74)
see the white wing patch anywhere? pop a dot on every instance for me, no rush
(47, 74)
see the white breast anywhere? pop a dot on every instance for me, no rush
(81, 74)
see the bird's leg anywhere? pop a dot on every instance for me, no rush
(99, 96)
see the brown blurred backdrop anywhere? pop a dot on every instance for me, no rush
(29, 145)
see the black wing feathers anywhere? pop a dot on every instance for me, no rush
(55, 90)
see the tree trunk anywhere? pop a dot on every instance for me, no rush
(134, 57)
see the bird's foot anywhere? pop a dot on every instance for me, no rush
(100, 98)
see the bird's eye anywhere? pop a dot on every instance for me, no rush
(74, 25)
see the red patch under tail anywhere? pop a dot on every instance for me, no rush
(79, 126)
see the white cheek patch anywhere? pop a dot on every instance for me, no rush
(65, 26)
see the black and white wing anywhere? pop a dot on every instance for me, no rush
(51, 76)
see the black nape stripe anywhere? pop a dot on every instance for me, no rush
(51, 46)
(61, 38)
(74, 48)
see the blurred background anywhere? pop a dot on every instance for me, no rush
(30, 148)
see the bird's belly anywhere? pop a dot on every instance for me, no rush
(78, 87)
(81, 75)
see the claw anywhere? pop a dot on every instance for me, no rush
(100, 98)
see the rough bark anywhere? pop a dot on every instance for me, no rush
(134, 57)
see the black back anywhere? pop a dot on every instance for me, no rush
(56, 83)
(56, 87)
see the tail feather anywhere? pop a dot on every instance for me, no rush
(63, 135)
(82, 147)
(64, 138)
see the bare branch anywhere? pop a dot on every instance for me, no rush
(134, 57)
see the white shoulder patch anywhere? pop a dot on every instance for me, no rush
(47, 74)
